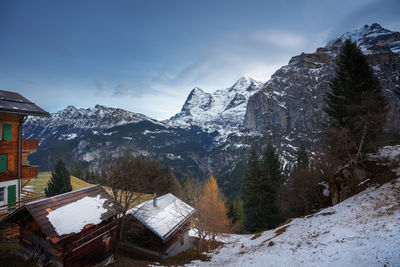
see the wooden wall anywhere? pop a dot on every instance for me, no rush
(31, 236)
(10, 147)
(140, 235)
(97, 250)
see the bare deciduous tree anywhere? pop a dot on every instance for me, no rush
(124, 180)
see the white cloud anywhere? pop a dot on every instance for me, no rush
(101, 86)
(280, 39)
(258, 55)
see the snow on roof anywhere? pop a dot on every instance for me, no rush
(64, 215)
(166, 217)
(72, 218)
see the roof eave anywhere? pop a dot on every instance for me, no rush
(175, 229)
(12, 217)
(26, 113)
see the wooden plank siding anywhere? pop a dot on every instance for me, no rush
(30, 145)
(10, 149)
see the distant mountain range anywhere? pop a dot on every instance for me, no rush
(213, 131)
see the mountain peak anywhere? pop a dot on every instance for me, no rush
(362, 35)
(243, 81)
(197, 90)
(71, 107)
(98, 106)
(246, 84)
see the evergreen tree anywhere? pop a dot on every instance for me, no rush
(271, 180)
(302, 161)
(355, 106)
(60, 181)
(76, 169)
(251, 195)
(235, 211)
(168, 183)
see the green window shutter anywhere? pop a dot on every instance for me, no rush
(7, 132)
(3, 162)
(11, 196)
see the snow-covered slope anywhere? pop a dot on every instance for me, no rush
(222, 110)
(363, 230)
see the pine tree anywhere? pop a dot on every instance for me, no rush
(271, 180)
(251, 195)
(355, 106)
(76, 169)
(60, 181)
(168, 183)
(237, 207)
(302, 161)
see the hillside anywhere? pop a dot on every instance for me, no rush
(363, 230)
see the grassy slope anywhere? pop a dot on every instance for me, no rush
(40, 183)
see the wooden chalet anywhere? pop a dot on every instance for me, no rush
(158, 228)
(72, 229)
(15, 170)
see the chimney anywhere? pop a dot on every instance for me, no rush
(155, 200)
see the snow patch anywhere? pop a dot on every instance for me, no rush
(73, 217)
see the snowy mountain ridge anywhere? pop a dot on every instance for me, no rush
(94, 117)
(289, 107)
(370, 36)
(73, 122)
(222, 110)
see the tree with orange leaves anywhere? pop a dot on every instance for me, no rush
(211, 212)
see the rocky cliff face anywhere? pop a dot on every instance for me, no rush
(290, 104)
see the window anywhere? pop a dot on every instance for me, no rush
(7, 132)
(2, 194)
(1, 132)
(3, 162)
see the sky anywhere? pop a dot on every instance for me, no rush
(147, 55)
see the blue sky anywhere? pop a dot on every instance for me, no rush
(146, 56)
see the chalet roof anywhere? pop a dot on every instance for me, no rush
(165, 218)
(64, 215)
(11, 102)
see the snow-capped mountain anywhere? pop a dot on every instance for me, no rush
(289, 107)
(222, 110)
(370, 37)
(72, 122)
(287, 111)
